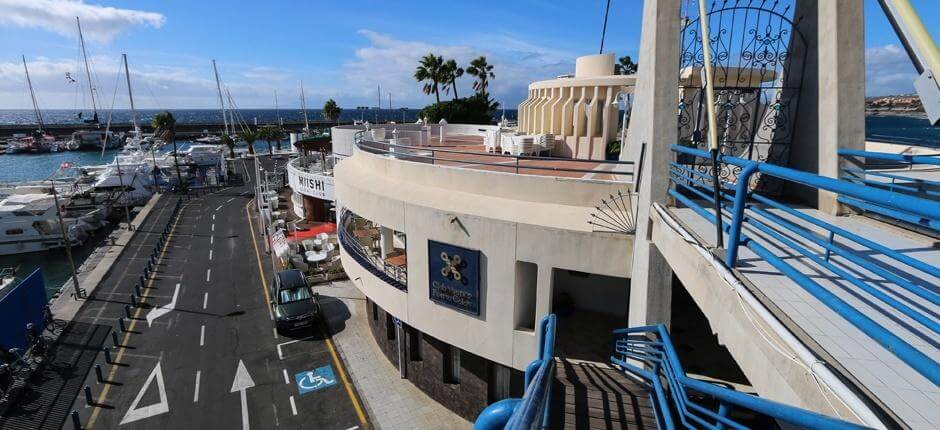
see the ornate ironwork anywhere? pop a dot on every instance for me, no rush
(758, 56)
(615, 214)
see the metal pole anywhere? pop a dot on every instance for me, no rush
(221, 102)
(712, 121)
(68, 243)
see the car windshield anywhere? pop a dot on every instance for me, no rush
(295, 295)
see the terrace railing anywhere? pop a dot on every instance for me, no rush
(374, 263)
(647, 352)
(532, 410)
(777, 221)
(518, 164)
(887, 171)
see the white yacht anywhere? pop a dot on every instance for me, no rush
(29, 223)
(95, 139)
(204, 155)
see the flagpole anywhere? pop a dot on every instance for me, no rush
(712, 121)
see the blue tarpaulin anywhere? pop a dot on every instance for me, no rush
(23, 304)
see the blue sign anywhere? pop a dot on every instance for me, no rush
(316, 379)
(454, 275)
(22, 304)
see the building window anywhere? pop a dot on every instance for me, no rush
(414, 344)
(526, 293)
(375, 312)
(13, 231)
(389, 326)
(499, 385)
(452, 365)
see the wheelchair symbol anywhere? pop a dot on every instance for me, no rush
(313, 380)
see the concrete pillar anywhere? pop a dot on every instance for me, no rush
(804, 153)
(653, 125)
(386, 240)
(842, 77)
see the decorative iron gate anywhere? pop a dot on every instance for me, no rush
(759, 58)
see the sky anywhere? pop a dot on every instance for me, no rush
(338, 50)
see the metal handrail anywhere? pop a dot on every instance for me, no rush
(532, 411)
(393, 275)
(413, 153)
(892, 342)
(661, 368)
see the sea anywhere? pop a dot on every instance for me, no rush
(908, 130)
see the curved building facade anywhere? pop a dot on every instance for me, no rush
(459, 262)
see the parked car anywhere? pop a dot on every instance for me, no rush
(295, 304)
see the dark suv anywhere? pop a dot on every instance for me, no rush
(295, 304)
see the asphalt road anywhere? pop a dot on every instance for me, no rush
(203, 352)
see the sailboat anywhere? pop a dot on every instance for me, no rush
(96, 138)
(303, 106)
(39, 141)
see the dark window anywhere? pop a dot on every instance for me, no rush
(375, 312)
(414, 344)
(15, 231)
(389, 327)
(452, 365)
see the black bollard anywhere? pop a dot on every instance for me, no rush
(114, 338)
(76, 423)
(88, 399)
(127, 310)
(107, 355)
(133, 302)
(98, 373)
(121, 324)
(141, 282)
(146, 273)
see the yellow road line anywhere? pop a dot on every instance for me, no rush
(329, 342)
(264, 283)
(103, 396)
(342, 375)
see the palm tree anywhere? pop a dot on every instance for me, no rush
(625, 66)
(483, 72)
(230, 143)
(249, 137)
(164, 125)
(429, 72)
(269, 134)
(449, 74)
(331, 110)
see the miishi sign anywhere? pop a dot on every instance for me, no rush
(454, 273)
(311, 184)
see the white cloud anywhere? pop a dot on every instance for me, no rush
(888, 70)
(391, 62)
(101, 23)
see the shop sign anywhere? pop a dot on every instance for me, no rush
(311, 184)
(454, 276)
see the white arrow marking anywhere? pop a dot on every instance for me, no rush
(163, 310)
(241, 383)
(134, 413)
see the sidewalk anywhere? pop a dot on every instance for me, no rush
(393, 403)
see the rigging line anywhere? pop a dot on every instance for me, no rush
(107, 129)
(604, 31)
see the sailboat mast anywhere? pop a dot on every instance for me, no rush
(303, 105)
(91, 87)
(277, 111)
(218, 86)
(130, 95)
(32, 95)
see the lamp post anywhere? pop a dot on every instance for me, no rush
(712, 121)
(68, 243)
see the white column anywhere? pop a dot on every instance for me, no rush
(653, 125)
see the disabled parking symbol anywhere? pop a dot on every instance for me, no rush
(316, 379)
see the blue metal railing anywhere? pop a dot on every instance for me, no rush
(647, 352)
(776, 221)
(532, 411)
(871, 172)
